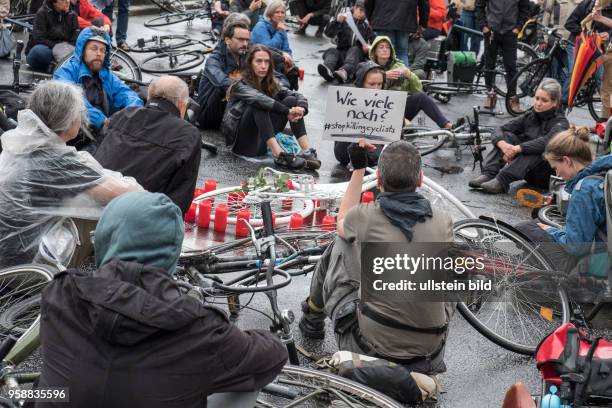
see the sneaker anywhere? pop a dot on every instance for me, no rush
(312, 324)
(290, 161)
(493, 186)
(490, 101)
(325, 72)
(477, 181)
(341, 76)
(319, 33)
(311, 159)
(124, 46)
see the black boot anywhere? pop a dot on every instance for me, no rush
(312, 323)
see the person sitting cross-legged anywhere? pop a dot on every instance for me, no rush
(156, 133)
(340, 63)
(259, 107)
(127, 334)
(400, 329)
(518, 145)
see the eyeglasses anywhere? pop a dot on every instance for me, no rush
(98, 50)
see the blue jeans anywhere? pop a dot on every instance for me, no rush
(400, 43)
(123, 14)
(39, 57)
(469, 21)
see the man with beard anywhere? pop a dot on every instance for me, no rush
(89, 67)
(222, 66)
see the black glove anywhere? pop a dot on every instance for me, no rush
(358, 156)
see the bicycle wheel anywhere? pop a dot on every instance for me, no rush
(425, 142)
(524, 56)
(550, 215)
(527, 81)
(523, 307)
(171, 6)
(20, 290)
(168, 19)
(172, 61)
(304, 387)
(124, 66)
(593, 101)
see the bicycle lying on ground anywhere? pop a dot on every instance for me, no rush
(204, 12)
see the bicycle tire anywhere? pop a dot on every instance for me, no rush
(593, 100)
(300, 381)
(512, 297)
(525, 55)
(424, 144)
(169, 19)
(20, 290)
(171, 6)
(527, 81)
(162, 43)
(550, 215)
(176, 62)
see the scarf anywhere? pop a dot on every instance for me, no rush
(404, 210)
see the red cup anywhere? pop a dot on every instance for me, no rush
(329, 223)
(197, 192)
(301, 73)
(241, 228)
(296, 221)
(367, 197)
(210, 185)
(190, 216)
(204, 210)
(220, 218)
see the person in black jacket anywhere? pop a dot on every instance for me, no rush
(53, 36)
(500, 21)
(156, 133)
(340, 63)
(259, 107)
(315, 12)
(126, 335)
(396, 20)
(253, 9)
(518, 145)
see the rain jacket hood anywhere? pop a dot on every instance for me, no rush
(393, 60)
(411, 84)
(597, 167)
(145, 228)
(362, 72)
(82, 40)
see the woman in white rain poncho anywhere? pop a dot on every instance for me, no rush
(43, 181)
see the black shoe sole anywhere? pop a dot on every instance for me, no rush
(325, 73)
(317, 335)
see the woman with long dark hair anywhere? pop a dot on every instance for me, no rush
(259, 107)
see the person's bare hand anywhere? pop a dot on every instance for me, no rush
(288, 59)
(299, 111)
(363, 143)
(543, 226)
(280, 26)
(306, 19)
(515, 31)
(485, 29)
(604, 36)
(596, 14)
(341, 18)
(393, 74)
(407, 73)
(366, 49)
(106, 28)
(255, 5)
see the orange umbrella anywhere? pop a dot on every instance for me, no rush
(588, 56)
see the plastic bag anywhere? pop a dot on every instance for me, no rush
(42, 181)
(7, 42)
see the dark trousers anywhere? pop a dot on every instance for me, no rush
(341, 154)
(257, 126)
(211, 113)
(555, 253)
(530, 167)
(299, 8)
(506, 44)
(420, 101)
(347, 60)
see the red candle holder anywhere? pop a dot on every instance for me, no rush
(210, 185)
(204, 210)
(296, 221)
(220, 218)
(329, 223)
(242, 230)
(367, 197)
(190, 216)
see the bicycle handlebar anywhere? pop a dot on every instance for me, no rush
(266, 215)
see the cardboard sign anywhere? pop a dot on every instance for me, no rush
(353, 113)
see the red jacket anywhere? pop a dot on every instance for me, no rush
(437, 14)
(87, 12)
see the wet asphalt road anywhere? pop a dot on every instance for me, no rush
(479, 372)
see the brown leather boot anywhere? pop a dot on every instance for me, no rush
(515, 104)
(490, 101)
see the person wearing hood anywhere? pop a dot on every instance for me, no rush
(53, 35)
(89, 68)
(569, 154)
(44, 181)
(127, 336)
(340, 62)
(390, 326)
(518, 145)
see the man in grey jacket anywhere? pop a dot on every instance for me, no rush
(500, 21)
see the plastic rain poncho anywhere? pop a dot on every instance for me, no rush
(42, 182)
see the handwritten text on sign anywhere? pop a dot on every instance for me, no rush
(353, 113)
